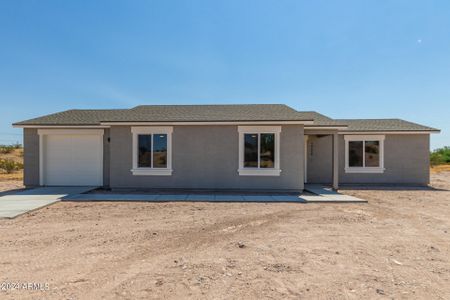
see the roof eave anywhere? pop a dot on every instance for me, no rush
(143, 123)
(59, 126)
(436, 131)
(248, 122)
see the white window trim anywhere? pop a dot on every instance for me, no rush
(259, 171)
(152, 171)
(364, 138)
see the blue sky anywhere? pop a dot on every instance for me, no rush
(346, 59)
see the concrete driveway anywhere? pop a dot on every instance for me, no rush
(21, 202)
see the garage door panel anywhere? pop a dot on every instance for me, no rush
(73, 159)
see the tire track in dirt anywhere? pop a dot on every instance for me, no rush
(132, 265)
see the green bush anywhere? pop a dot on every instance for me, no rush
(9, 165)
(440, 156)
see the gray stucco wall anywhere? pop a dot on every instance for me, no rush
(206, 157)
(106, 157)
(406, 160)
(30, 157)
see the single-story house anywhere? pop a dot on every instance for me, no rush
(252, 147)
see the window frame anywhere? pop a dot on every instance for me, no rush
(246, 171)
(136, 170)
(364, 138)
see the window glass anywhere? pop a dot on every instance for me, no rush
(355, 153)
(267, 150)
(250, 150)
(372, 155)
(160, 151)
(145, 150)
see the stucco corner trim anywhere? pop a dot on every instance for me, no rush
(259, 129)
(364, 170)
(242, 130)
(259, 172)
(151, 172)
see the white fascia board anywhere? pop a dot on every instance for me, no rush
(61, 126)
(387, 132)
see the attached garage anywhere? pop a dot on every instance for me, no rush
(71, 157)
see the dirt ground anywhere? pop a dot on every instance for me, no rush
(396, 246)
(9, 184)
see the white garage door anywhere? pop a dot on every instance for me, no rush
(73, 158)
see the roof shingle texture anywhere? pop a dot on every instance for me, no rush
(217, 113)
(173, 113)
(384, 125)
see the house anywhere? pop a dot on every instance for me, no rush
(253, 147)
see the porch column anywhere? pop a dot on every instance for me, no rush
(335, 161)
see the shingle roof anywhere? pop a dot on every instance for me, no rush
(173, 113)
(321, 120)
(74, 117)
(217, 113)
(210, 113)
(384, 125)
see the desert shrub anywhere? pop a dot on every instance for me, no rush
(9, 165)
(19, 166)
(440, 156)
(6, 149)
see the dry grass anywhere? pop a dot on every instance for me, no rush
(17, 156)
(440, 168)
(13, 176)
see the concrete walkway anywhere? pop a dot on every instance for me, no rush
(327, 194)
(22, 202)
(319, 194)
(185, 197)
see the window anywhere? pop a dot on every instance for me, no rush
(364, 154)
(265, 156)
(152, 150)
(251, 142)
(259, 150)
(145, 151)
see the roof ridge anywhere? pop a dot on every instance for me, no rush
(215, 104)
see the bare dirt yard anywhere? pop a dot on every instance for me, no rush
(13, 180)
(396, 246)
(9, 184)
